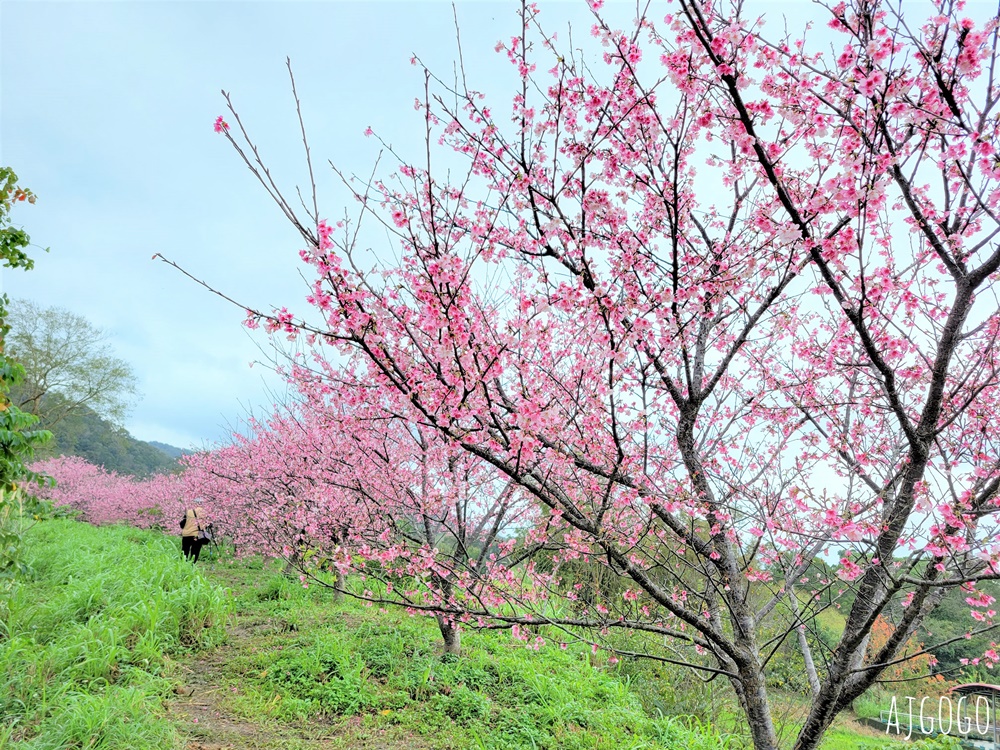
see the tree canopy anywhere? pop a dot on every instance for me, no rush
(65, 355)
(18, 436)
(84, 433)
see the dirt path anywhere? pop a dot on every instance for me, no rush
(202, 708)
(202, 715)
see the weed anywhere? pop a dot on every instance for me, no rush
(85, 641)
(347, 661)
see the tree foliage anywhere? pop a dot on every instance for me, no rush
(65, 355)
(316, 484)
(18, 439)
(101, 496)
(86, 434)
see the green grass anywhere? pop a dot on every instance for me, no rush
(95, 641)
(92, 646)
(310, 660)
(86, 639)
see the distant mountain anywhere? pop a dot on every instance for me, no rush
(101, 442)
(171, 450)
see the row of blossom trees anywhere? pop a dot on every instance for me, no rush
(702, 310)
(338, 483)
(103, 497)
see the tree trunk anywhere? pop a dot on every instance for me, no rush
(752, 693)
(451, 634)
(829, 701)
(808, 659)
(449, 628)
(293, 560)
(807, 656)
(338, 587)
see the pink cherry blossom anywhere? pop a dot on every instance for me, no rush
(699, 313)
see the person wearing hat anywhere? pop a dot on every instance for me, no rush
(193, 523)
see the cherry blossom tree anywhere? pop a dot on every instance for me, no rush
(338, 481)
(719, 302)
(440, 525)
(104, 497)
(261, 486)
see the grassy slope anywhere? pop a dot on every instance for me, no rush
(352, 676)
(85, 644)
(341, 675)
(115, 623)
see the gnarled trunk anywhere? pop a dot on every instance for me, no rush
(752, 693)
(338, 587)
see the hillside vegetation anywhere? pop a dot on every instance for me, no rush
(87, 640)
(86, 434)
(113, 623)
(114, 642)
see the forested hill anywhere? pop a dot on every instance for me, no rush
(171, 450)
(85, 434)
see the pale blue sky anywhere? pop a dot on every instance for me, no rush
(107, 111)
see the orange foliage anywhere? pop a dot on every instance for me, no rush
(912, 669)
